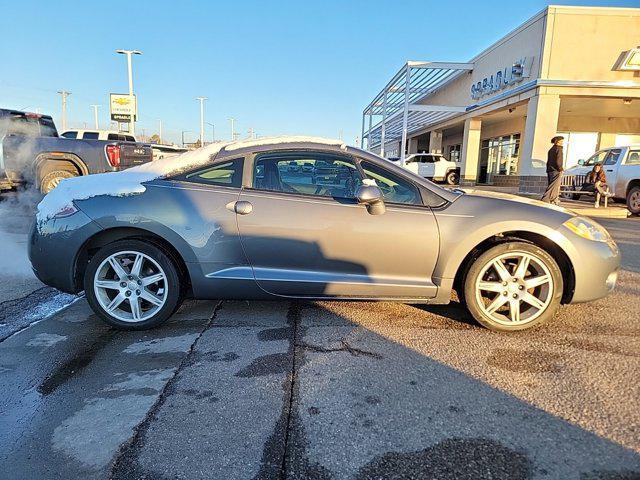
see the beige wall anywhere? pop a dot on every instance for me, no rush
(585, 43)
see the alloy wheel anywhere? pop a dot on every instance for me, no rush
(130, 286)
(514, 288)
(634, 200)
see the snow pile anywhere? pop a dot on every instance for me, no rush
(131, 181)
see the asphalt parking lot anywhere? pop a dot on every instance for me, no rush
(321, 390)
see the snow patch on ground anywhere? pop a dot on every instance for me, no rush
(131, 181)
(181, 343)
(46, 340)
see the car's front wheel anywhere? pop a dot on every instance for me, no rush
(513, 286)
(452, 178)
(132, 285)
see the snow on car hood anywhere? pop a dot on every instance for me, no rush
(131, 181)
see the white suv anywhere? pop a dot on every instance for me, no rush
(433, 166)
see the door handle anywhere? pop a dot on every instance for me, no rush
(243, 207)
(609, 169)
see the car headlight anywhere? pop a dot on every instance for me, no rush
(585, 228)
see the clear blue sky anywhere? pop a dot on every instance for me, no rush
(289, 67)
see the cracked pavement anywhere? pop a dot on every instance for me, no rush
(325, 390)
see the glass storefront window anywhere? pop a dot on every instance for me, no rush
(499, 156)
(454, 153)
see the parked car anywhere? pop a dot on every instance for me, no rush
(98, 135)
(235, 230)
(622, 168)
(32, 152)
(433, 166)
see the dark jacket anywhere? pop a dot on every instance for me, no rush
(554, 159)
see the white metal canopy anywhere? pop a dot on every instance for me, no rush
(397, 103)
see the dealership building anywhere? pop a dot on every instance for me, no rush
(571, 71)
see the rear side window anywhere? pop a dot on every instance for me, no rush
(634, 157)
(394, 188)
(225, 174)
(113, 136)
(70, 134)
(90, 136)
(129, 138)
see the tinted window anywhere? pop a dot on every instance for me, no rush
(90, 135)
(113, 136)
(319, 174)
(612, 157)
(129, 138)
(227, 174)
(70, 134)
(395, 188)
(47, 127)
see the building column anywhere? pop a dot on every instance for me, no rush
(435, 141)
(540, 127)
(412, 146)
(606, 140)
(470, 151)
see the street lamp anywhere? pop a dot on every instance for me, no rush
(213, 132)
(202, 99)
(128, 53)
(95, 115)
(233, 132)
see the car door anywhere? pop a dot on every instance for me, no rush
(428, 166)
(305, 234)
(611, 165)
(628, 171)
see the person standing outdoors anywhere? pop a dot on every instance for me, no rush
(555, 167)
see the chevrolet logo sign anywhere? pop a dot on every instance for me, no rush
(631, 60)
(122, 101)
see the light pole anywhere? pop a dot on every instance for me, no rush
(64, 94)
(160, 134)
(202, 99)
(128, 53)
(213, 132)
(233, 132)
(95, 115)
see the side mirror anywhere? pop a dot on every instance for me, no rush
(581, 162)
(372, 197)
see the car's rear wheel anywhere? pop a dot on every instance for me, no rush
(132, 285)
(513, 286)
(633, 200)
(52, 179)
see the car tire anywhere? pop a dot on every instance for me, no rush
(452, 178)
(633, 200)
(53, 178)
(504, 298)
(154, 303)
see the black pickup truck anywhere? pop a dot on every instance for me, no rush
(32, 152)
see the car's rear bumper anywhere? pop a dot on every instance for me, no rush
(53, 249)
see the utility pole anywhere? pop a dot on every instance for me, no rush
(160, 135)
(213, 132)
(339, 134)
(233, 132)
(64, 94)
(251, 133)
(95, 115)
(128, 53)
(182, 135)
(202, 99)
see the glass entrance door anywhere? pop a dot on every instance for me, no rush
(499, 156)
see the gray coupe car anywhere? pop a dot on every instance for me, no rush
(235, 221)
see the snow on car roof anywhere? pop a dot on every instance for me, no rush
(131, 181)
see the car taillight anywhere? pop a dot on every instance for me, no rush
(113, 155)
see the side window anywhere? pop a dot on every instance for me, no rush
(90, 136)
(70, 134)
(112, 136)
(596, 158)
(129, 138)
(612, 157)
(325, 175)
(634, 157)
(395, 188)
(226, 174)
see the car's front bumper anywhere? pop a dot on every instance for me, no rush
(54, 245)
(595, 266)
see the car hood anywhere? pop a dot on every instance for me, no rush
(470, 192)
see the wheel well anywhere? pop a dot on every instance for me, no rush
(632, 183)
(46, 162)
(558, 254)
(105, 237)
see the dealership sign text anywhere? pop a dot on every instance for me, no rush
(519, 70)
